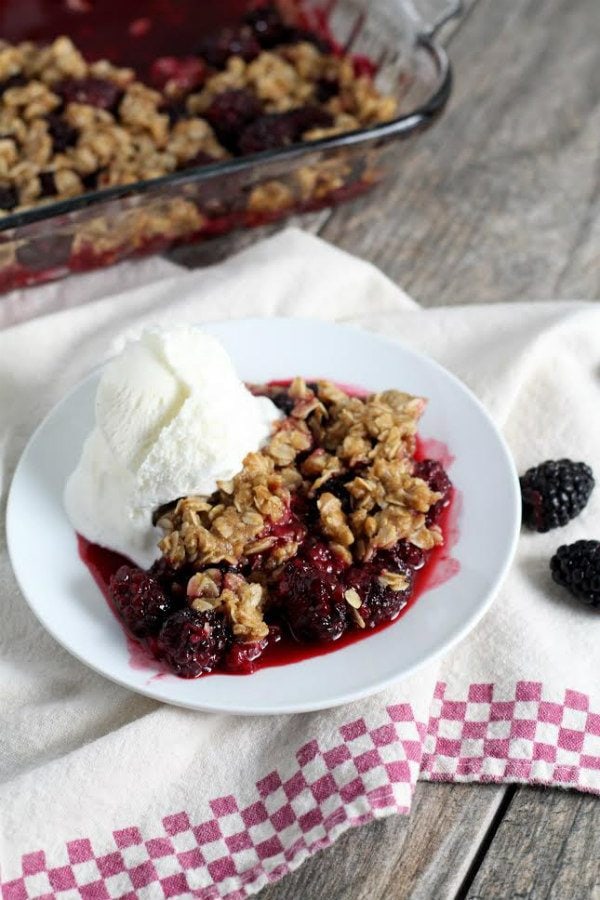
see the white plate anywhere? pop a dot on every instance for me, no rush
(62, 594)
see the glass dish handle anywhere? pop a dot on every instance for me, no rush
(433, 14)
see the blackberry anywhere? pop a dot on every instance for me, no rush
(241, 657)
(96, 92)
(172, 581)
(267, 133)
(432, 471)
(17, 80)
(90, 181)
(336, 485)
(380, 603)
(267, 25)
(199, 159)
(9, 197)
(192, 643)
(281, 129)
(47, 184)
(310, 596)
(327, 88)
(63, 135)
(140, 601)
(217, 48)
(283, 401)
(230, 112)
(304, 35)
(309, 116)
(555, 492)
(402, 556)
(577, 568)
(176, 111)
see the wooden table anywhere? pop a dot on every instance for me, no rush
(499, 202)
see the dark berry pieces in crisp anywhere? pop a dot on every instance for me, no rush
(47, 184)
(380, 601)
(242, 656)
(282, 401)
(13, 81)
(199, 159)
(311, 596)
(90, 181)
(304, 35)
(172, 581)
(63, 135)
(192, 643)
(555, 492)
(432, 471)
(402, 556)
(281, 129)
(309, 116)
(140, 601)
(230, 112)
(326, 89)
(94, 91)
(267, 25)
(337, 485)
(8, 197)
(577, 568)
(216, 49)
(176, 111)
(267, 133)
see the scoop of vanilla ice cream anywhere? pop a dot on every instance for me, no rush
(172, 419)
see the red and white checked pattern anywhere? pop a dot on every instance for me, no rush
(367, 772)
(521, 738)
(364, 773)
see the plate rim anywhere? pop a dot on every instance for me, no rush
(382, 684)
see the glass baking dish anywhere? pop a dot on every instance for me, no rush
(102, 227)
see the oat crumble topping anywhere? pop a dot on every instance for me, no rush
(68, 126)
(328, 434)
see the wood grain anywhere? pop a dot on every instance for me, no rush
(423, 857)
(547, 846)
(501, 200)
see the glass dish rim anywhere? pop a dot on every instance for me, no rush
(401, 125)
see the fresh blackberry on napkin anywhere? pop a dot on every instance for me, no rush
(555, 492)
(577, 567)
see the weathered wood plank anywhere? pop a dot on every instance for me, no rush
(423, 857)
(501, 199)
(547, 846)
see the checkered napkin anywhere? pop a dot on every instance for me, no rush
(107, 794)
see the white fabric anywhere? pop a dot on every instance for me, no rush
(81, 756)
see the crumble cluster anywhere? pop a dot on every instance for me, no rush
(342, 462)
(68, 126)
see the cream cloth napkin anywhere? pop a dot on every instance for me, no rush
(107, 794)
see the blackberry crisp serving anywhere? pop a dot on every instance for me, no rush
(322, 533)
(69, 126)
